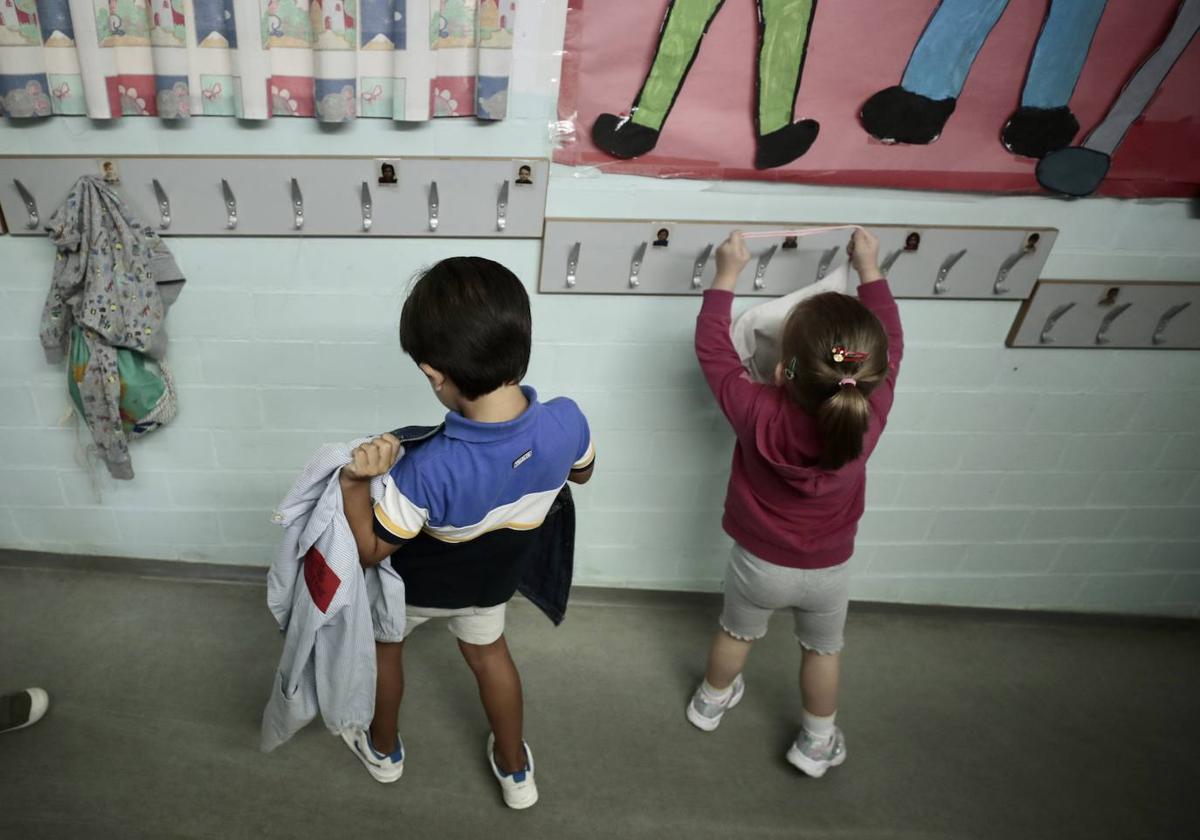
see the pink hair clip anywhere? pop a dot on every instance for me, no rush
(841, 354)
(847, 381)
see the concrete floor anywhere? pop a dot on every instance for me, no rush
(959, 725)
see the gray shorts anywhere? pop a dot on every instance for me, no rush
(818, 598)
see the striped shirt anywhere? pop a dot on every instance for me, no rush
(464, 503)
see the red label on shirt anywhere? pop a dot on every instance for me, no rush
(322, 582)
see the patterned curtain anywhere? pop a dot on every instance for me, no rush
(253, 59)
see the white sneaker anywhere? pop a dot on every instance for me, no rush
(519, 788)
(24, 708)
(813, 756)
(706, 715)
(383, 768)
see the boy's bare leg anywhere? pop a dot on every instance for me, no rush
(819, 682)
(500, 691)
(726, 658)
(389, 691)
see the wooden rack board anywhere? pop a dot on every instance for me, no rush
(994, 263)
(474, 197)
(1108, 314)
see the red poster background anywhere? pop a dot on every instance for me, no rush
(858, 47)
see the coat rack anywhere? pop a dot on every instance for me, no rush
(608, 256)
(294, 196)
(1094, 314)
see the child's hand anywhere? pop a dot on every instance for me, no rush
(732, 257)
(864, 255)
(375, 457)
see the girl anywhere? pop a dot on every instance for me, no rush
(796, 489)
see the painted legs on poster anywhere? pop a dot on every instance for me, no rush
(917, 109)
(1079, 170)
(784, 27)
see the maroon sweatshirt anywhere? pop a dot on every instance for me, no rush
(780, 505)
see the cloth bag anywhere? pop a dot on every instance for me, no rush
(756, 332)
(147, 399)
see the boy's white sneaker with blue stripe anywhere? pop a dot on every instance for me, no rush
(519, 788)
(383, 768)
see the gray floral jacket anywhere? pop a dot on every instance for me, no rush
(115, 279)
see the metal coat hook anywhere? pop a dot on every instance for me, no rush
(30, 205)
(297, 205)
(1113, 314)
(231, 214)
(826, 261)
(760, 273)
(164, 205)
(1059, 311)
(572, 265)
(939, 285)
(365, 200)
(889, 261)
(433, 205)
(998, 287)
(1158, 337)
(701, 262)
(635, 267)
(502, 208)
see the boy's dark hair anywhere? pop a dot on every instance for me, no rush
(468, 317)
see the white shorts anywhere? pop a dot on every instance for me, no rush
(472, 625)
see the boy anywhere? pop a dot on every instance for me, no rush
(459, 511)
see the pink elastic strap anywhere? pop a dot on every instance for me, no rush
(763, 234)
(847, 381)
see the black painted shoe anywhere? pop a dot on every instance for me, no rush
(896, 115)
(781, 147)
(1036, 132)
(621, 137)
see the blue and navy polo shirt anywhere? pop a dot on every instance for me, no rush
(465, 503)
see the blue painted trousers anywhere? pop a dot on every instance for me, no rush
(943, 56)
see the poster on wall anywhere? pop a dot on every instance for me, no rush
(1070, 97)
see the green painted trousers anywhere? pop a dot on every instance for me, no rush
(784, 26)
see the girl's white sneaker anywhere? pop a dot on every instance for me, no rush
(705, 714)
(813, 757)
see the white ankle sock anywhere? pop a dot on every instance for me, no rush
(820, 728)
(715, 695)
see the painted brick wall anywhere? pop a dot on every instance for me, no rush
(1064, 479)
(1052, 479)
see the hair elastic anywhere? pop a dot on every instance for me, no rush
(847, 381)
